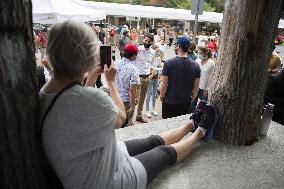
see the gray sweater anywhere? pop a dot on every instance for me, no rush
(80, 143)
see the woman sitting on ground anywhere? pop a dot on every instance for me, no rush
(78, 127)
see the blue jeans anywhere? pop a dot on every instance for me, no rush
(152, 91)
(201, 97)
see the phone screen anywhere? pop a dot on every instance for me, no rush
(105, 56)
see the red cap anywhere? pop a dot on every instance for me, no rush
(131, 49)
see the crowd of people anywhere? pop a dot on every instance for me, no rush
(157, 74)
(149, 62)
(151, 65)
(78, 119)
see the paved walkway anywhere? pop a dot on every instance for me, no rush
(212, 165)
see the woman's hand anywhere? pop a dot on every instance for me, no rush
(110, 73)
(93, 75)
(46, 64)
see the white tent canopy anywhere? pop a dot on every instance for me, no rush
(116, 9)
(52, 11)
(281, 24)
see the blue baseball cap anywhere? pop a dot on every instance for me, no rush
(183, 42)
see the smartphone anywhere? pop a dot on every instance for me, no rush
(105, 56)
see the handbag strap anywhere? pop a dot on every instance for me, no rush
(70, 85)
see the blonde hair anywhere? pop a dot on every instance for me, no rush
(72, 49)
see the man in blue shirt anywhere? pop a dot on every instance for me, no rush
(180, 81)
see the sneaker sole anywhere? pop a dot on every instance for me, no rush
(203, 104)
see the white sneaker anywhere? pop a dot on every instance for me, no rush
(155, 113)
(148, 114)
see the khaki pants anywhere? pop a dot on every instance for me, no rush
(142, 91)
(129, 117)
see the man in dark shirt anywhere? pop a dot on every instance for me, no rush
(274, 94)
(180, 81)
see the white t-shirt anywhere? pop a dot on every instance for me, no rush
(145, 61)
(206, 73)
(80, 144)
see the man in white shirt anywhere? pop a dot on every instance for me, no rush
(127, 80)
(144, 62)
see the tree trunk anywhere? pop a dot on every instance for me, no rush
(20, 164)
(248, 32)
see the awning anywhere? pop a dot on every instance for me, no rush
(115, 9)
(52, 11)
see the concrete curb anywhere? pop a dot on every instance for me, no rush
(215, 165)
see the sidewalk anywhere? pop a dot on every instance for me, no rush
(213, 165)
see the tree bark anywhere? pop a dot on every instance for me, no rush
(20, 164)
(240, 76)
